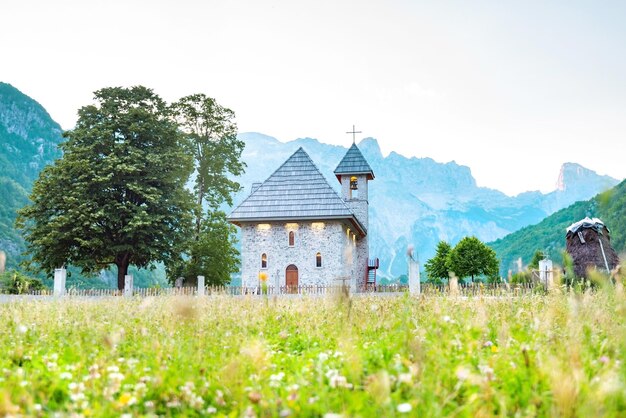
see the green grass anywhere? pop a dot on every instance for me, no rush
(555, 355)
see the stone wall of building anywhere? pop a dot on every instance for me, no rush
(330, 238)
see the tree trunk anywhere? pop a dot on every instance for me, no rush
(122, 261)
(201, 210)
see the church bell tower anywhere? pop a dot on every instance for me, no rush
(354, 173)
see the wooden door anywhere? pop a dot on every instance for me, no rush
(291, 278)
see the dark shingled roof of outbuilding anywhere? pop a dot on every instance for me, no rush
(297, 190)
(354, 163)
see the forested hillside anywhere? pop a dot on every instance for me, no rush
(29, 141)
(549, 234)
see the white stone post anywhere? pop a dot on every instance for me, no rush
(545, 273)
(60, 275)
(454, 286)
(414, 271)
(201, 286)
(128, 285)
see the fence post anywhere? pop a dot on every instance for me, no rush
(3, 260)
(128, 285)
(60, 276)
(200, 285)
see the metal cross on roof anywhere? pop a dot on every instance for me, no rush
(354, 132)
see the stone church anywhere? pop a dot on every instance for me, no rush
(297, 231)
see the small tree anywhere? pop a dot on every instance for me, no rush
(471, 258)
(117, 195)
(437, 267)
(213, 255)
(537, 257)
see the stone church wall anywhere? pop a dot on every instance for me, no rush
(330, 238)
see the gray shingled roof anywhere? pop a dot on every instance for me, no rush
(297, 190)
(354, 163)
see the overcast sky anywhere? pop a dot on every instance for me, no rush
(512, 89)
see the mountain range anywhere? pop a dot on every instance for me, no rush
(413, 201)
(418, 201)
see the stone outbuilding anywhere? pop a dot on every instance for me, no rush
(588, 242)
(296, 230)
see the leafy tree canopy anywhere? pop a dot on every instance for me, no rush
(117, 195)
(471, 258)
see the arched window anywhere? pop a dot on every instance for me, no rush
(292, 238)
(318, 260)
(263, 261)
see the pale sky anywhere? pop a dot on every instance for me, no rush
(512, 89)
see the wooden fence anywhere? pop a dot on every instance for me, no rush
(427, 289)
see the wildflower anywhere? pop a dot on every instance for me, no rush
(487, 344)
(275, 379)
(249, 412)
(21, 329)
(254, 397)
(405, 378)
(113, 369)
(604, 359)
(332, 415)
(37, 407)
(65, 376)
(446, 319)
(148, 404)
(462, 373)
(322, 357)
(285, 413)
(211, 410)
(173, 404)
(126, 399)
(404, 408)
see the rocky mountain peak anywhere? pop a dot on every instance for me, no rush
(573, 175)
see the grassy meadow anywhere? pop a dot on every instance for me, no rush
(543, 355)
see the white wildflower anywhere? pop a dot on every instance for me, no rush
(65, 376)
(21, 329)
(462, 373)
(405, 378)
(404, 408)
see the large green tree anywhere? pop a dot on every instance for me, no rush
(471, 258)
(212, 133)
(117, 195)
(437, 267)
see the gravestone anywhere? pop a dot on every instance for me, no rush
(545, 273)
(179, 282)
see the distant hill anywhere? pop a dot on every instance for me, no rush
(420, 201)
(549, 234)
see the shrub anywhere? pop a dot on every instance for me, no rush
(17, 283)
